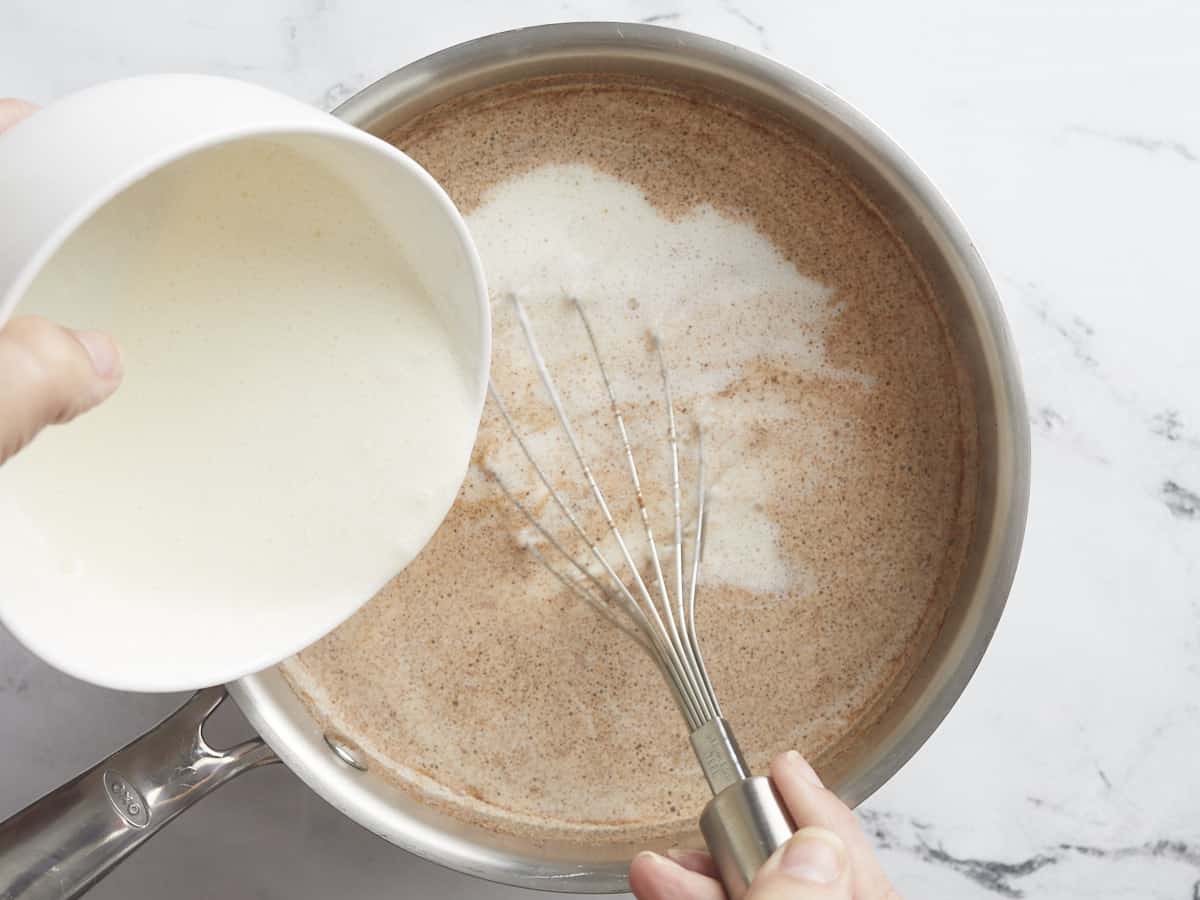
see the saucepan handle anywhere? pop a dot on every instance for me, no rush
(59, 846)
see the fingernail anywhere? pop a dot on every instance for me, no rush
(106, 358)
(648, 856)
(802, 768)
(685, 856)
(813, 855)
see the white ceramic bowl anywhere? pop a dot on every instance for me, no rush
(61, 166)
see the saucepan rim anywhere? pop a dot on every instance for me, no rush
(279, 716)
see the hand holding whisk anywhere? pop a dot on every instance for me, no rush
(745, 821)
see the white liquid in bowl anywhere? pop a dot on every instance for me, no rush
(294, 423)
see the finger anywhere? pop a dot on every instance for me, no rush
(654, 877)
(50, 374)
(13, 111)
(812, 865)
(694, 860)
(811, 804)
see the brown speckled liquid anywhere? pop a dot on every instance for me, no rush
(842, 458)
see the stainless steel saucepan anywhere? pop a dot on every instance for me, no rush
(66, 841)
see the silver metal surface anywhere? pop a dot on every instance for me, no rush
(742, 826)
(658, 612)
(964, 292)
(719, 755)
(345, 751)
(60, 845)
(746, 821)
(972, 309)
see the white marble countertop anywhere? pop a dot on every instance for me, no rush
(1067, 136)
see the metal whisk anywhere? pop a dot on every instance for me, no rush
(745, 821)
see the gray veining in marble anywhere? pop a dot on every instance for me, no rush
(1066, 135)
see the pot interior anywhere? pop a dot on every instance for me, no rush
(971, 309)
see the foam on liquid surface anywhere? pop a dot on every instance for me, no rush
(572, 231)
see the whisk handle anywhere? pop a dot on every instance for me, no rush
(743, 825)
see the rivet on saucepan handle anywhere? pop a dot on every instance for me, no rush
(346, 751)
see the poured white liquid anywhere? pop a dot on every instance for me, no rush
(570, 230)
(294, 422)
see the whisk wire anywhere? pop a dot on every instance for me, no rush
(691, 611)
(691, 646)
(745, 822)
(604, 608)
(605, 605)
(670, 663)
(665, 628)
(678, 642)
(630, 604)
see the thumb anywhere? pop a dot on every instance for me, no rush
(50, 374)
(812, 865)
